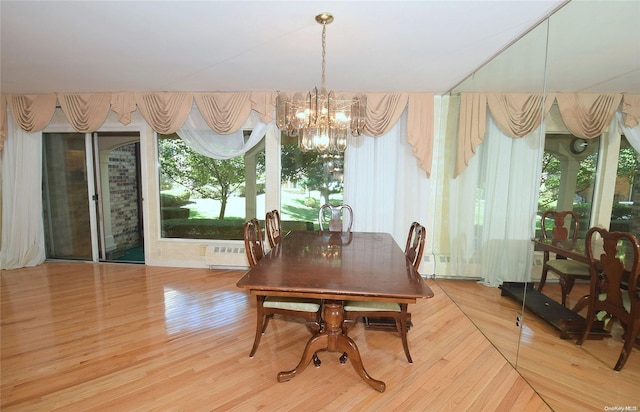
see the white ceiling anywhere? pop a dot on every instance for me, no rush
(429, 46)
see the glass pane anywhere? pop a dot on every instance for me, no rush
(625, 214)
(120, 207)
(309, 180)
(65, 197)
(205, 198)
(568, 178)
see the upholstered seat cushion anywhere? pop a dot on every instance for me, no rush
(302, 305)
(362, 306)
(569, 266)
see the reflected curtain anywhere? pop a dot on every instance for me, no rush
(631, 133)
(492, 208)
(22, 227)
(384, 185)
(586, 115)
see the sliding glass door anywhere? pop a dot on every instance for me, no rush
(65, 191)
(92, 197)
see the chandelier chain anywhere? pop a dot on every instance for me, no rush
(324, 43)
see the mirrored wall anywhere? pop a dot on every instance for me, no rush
(583, 47)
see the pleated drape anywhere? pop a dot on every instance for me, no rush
(631, 109)
(123, 104)
(32, 112)
(224, 112)
(383, 111)
(420, 128)
(472, 125)
(518, 114)
(587, 115)
(86, 112)
(164, 112)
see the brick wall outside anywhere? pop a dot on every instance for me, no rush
(123, 188)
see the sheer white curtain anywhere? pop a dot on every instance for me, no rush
(631, 133)
(493, 207)
(384, 184)
(22, 226)
(197, 134)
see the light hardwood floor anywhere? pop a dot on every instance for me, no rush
(120, 337)
(568, 377)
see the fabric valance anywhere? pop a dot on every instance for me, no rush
(225, 113)
(586, 115)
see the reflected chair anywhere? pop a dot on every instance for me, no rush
(267, 306)
(338, 218)
(353, 310)
(614, 285)
(273, 227)
(567, 270)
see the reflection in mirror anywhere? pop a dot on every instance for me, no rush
(591, 50)
(488, 231)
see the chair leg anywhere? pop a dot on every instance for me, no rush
(563, 290)
(259, 326)
(543, 279)
(570, 281)
(630, 334)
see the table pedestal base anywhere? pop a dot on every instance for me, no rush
(332, 339)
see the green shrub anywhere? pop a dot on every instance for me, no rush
(621, 211)
(311, 202)
(175, 213)
(227, 229)
(169, 200)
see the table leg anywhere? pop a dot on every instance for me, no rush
(332, 340)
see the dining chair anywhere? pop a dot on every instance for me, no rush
(611, 290)
(337, 219)
(267, 306)
(355, 309)
(273, 227)
(567, 270)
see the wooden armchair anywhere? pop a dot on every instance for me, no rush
(273, 227)
(614, 285)
(335, 218)
(267, 306)
(567, 270)
(396, 311)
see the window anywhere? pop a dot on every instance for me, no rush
(568, 177)
(308, 180)
(625, 213)
(205, 198)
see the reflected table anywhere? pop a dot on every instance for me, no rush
(567, 321)
(335, 267)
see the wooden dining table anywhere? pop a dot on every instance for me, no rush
(336, 267)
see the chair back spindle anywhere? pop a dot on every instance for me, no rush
(273, 227)
(253, 243)
(415, 244)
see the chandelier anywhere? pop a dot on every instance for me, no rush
(321, 119)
